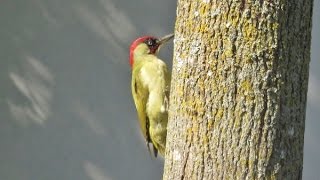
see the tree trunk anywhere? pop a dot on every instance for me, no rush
(238, 91)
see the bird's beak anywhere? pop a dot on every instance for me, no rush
(165, 39)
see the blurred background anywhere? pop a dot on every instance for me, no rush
(66, 110)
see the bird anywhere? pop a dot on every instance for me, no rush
(150, 86)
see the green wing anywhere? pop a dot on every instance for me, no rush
(142, 71)
(140, 96)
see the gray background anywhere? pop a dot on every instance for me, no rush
(65, 101)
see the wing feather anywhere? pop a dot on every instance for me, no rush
(140, 96)
(142, 79)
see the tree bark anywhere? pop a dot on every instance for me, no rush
(238, 90)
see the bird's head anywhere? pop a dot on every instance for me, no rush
(147, 45)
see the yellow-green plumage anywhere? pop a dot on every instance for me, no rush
(150, 89)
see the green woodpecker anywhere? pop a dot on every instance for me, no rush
(150, 89)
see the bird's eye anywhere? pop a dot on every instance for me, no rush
(151, 42)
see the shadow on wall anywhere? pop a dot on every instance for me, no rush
(34, 81)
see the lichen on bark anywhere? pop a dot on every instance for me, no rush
(238, 90)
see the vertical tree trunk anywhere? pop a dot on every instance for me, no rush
(238, 91)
